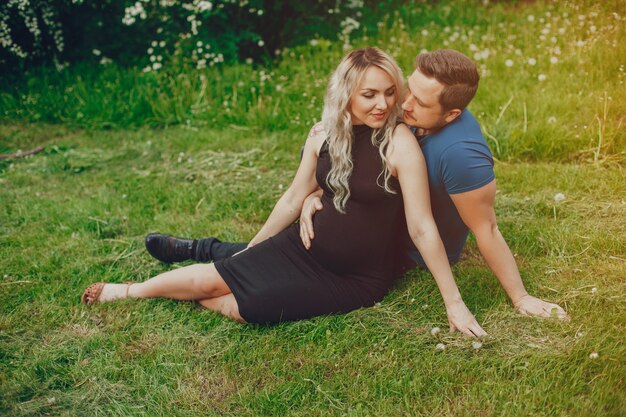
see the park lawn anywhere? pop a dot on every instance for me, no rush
(77, 213)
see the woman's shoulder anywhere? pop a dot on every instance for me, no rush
(403, 135)
(316, 138)
(404, 147)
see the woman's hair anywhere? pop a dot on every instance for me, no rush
(337, 119)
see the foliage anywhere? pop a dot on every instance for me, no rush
(139, 32)
(548, 71)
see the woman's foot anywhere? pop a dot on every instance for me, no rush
(101, 292)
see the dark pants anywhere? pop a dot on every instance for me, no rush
(213, 249)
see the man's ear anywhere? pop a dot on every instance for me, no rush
(452, 114)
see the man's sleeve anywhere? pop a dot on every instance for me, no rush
(466, 166)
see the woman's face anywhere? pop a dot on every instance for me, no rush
(373, 99)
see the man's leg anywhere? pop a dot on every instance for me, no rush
(213, 249)
(170, 249)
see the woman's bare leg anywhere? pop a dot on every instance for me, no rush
(193, 282)
(226, 305)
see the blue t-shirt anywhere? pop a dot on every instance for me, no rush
(458, 160)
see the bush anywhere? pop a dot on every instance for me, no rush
(149, 33)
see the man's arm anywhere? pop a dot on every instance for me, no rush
(476, 209)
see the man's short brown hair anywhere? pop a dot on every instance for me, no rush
(455, 71)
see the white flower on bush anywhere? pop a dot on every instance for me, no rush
(204, 6)
(131, 13)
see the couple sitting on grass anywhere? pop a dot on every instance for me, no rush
(388, 181)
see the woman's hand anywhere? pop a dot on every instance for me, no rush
(311, 205)
(461, 319)
(533, 306)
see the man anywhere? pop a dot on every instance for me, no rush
(460, 173)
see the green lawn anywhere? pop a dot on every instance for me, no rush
(222, 146)
(77, 213)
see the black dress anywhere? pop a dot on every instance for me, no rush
(351, 260)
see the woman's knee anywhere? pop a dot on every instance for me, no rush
(226, 305)
(210, 282)
(232, 310)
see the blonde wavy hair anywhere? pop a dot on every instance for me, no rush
(337, 120)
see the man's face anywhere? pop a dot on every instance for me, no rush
(421, 105)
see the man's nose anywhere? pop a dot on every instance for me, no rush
(406, 104)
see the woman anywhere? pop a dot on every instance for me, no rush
(361, 158)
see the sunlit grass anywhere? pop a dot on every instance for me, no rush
(78, 212)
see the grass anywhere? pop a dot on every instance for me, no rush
(208, 153)
(78, 212)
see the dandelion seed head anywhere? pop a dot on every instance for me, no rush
(558, 197)
(477, 345)
(532, 61)
(440, 346)
(435, 331)
(593, 355)
(552, 120)
(541, 77)
(553, 60)
(508, 63)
